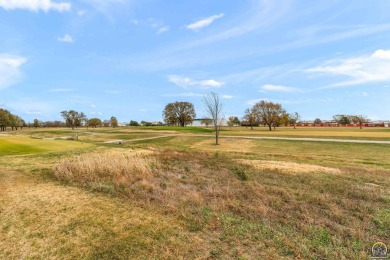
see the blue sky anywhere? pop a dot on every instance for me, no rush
(129, 58)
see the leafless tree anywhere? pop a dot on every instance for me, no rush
(214, 110)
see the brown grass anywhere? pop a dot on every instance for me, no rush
(114, 167)
(246, 205)
(288, 167)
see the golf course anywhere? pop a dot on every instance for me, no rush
(171, 193)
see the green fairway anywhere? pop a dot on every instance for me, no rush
(26, 145)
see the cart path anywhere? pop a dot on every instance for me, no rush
(306, 139)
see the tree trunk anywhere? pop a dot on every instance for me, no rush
(216, 136)
(270, 127)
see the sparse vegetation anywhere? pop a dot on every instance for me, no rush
(184, 197)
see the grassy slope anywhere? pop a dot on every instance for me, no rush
(318, 214)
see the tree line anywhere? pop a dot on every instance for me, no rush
(7, 119)
(271, 114)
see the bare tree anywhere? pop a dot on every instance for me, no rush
(214, 107)
(250, 117)
(206, 122)
(294, 118)
(230, 122)
(359, 119)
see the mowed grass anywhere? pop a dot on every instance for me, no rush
(25, 145)
(376, 133)
(184, 197)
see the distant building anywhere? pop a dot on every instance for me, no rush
(198, 122)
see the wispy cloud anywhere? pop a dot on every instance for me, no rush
(186, 82)
(226, 96)
(110, 8)
(66, 38)
(158, 25)
(10, 69)
(294, 101)
(163, 30)
(35, 5)
(61, 90)
(113, 91)
(278, 88)
(197, 25)
(357, 70)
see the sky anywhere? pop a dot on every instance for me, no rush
(129, 58)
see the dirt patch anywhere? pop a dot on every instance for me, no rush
(288, 167)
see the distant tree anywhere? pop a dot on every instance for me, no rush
(73, 118)
(250, 117)
(206, 121)
(317, 121)
(179, 113)
(294, 118)
(53, 124)
(4, 119)
(342, 119)
(214, 110)
(230, 122)
(15, 122)
(106, 123)
(236, 121)
(146, 123)
(134, 123)
(114, 121)
(283, 119)
(94, 122)
(36, 123)
(268, 112)
(359, 119)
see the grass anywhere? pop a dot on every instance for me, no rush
(367, 133)
(184, 197)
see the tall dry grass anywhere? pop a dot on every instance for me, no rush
(108, 171)
(230, 197)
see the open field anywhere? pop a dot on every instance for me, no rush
(183, 197)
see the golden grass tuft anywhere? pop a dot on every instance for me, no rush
(119, 168)
(288, 167)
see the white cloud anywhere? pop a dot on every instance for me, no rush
(195, 26)
(186, 82)
(358, 70)
(35, 5)
(93, 106)
(81, 12)
(278, 88)
(10, 69)
(163, 29)
(226, 97)
(65, 38)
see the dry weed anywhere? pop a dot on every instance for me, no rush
(288, 167)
